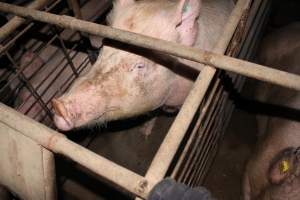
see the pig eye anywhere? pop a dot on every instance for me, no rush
(139, 66)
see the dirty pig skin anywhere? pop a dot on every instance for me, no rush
(273, 172)
(122, 84)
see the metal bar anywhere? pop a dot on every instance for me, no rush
(200, 132)
(244, 29)
(15, 22)
(200, 149)
(210, 135)
(194, 137)
(12, 41)
(29, 86)
(64, 50)
(74, 5)
(58, 143)
(23, 68)
(245, 68)
(168, 148)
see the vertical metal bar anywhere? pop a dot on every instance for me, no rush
(29, 86)
(65, 52)
(58, 143)
(245, 68)
(75, 6)
(167, 150)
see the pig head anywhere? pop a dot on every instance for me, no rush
(122, 84)
(283, 177)
(273, 170)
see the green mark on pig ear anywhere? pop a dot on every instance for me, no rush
(186, 7)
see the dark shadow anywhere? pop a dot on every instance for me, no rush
(256, 107)
(68, 170)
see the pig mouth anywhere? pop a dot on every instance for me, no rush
(102, 118)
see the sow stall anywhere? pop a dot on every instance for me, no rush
(190, 145)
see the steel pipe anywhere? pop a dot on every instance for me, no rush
(74, 5)
(58, 143)
(168, 148)
(15, 22)
(227, 63)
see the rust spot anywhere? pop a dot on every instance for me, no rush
(142, 186)
(51, 141)
(129, 23)
(207, 57)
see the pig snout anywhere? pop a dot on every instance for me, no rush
(84, 104)
(62, 118)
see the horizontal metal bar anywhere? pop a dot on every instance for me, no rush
(244, 68)
(167, 150)
(15, 22)
(58, 143)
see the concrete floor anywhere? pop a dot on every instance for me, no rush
(224, 179)
(127, 147)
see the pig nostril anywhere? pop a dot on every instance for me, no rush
(59, 108)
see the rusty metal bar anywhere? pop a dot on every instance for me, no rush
(244, 68)
(75, 6)
(58, 143)
(187, 154)
(197, 133)
(167, 150)
(15, 22)
(193, 137)
(64, 50)
(210, 135)
(29, 85)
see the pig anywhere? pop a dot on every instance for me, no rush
(123, 84)
(284, 41)
(42, 77)
(273, 172)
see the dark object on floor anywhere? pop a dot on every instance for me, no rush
(168, 189)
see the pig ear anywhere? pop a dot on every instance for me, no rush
(282, 166)
(187, 11)
(124, 2)
(186, 21)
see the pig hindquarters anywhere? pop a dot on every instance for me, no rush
(123, 84)
(274, 170)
